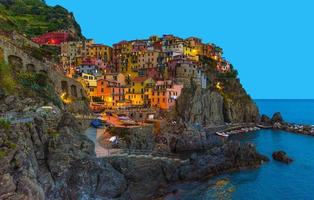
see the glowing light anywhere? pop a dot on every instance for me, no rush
(65, 99)
(219, 86)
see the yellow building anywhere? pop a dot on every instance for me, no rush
(139, 93)
(90, 85)
(100, 51)
(130, 65)
(191, 53)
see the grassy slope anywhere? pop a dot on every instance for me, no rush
(34, 17)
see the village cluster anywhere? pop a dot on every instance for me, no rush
(148, 73)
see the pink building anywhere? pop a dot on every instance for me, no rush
(165, 94)
(223, 67)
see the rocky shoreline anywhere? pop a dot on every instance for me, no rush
(149, 179)
(278, 123)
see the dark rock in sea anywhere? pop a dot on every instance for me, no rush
(277, 118)
(265, 120)
(281, 156)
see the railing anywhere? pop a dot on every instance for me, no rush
(86, 116)
(140, 152)
(15, 119)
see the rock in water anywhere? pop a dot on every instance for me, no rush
(281, 156)
(277, 118)
(265, 119)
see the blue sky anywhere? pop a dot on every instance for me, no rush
(269, 42)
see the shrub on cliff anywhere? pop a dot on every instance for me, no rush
(7, 82)
(38, 83)
(6, 125)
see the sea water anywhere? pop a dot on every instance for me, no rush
(273, 180)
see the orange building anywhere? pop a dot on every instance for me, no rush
(165, 94)
(111, 92)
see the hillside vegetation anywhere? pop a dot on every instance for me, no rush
(34, 17)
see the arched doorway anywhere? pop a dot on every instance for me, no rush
(64, 86)
(73, 91)
(1, 55)
(30, 68)
(15, 62)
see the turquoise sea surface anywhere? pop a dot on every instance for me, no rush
(273, 180)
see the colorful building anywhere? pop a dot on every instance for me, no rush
(139, 93)
(187, 71)
(100, 51)
(148, 59)
(119, 77)
(72, 53)
(165, 94)
(89, 67)
(111, 92)
(90, 85)
(223, 67)
(51, 38)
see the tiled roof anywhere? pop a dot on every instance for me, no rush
(140, 79)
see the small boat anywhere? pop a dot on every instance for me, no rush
(222, 134)
(96, 123)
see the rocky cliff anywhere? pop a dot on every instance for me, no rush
(149, 178)
(214, 106)
(209, 107)
(238, 105)
(47, 157)
(197, 106)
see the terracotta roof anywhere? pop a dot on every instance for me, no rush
(140, 79)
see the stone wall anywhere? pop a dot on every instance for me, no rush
(21, 60)
(136, 137)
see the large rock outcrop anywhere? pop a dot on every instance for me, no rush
(136, 137)
(148, 177)
(208, 107)
(198, 106)
(48, 158)
(238, 105)
(236, 110)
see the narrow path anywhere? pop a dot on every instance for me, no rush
(94, 135)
